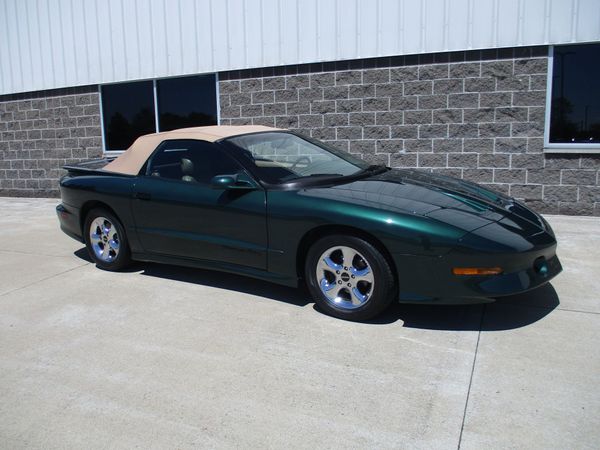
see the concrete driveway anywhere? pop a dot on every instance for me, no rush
(168, 357)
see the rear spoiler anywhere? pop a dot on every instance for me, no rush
(93, 166)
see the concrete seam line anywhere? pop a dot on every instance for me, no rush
(19, 252)
(578, 311)
(43, 279)
(546, 307)
(462, 427)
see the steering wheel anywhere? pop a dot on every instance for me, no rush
(300, 159)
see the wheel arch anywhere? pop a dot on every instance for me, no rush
(88, 206)
(326, 230)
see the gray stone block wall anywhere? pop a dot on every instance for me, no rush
(41, 132)
(478, 115)
(475, 115)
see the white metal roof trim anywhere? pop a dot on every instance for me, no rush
(51, 44)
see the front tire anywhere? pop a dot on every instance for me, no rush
(105, 240)
(349, 278)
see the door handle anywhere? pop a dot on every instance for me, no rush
(142, 196)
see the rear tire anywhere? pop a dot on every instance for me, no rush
(106, 241)
(349, 278)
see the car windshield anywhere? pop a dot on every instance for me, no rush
(279, 157)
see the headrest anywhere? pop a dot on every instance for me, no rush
(187, 166)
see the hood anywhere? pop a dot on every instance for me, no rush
(460, 203)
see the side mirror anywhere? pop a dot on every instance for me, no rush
(235, 181)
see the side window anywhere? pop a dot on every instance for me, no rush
(190, 161)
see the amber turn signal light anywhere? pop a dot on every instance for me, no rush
(476, 270)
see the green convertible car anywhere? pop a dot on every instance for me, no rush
(275, 205)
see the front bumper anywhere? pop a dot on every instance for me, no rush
(430, 279)
(539, 273)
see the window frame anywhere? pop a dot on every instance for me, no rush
(565, 148)
(114, 153)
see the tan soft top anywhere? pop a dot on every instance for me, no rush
(132, 160)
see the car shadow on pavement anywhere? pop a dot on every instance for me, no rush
(229, 281)
(505, 314)
(82, 253)
(213, 278)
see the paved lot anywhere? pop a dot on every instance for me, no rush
(167, 357)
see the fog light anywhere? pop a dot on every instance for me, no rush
(476, 270)
(541, 266)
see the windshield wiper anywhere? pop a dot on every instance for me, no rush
(373, 168)
(325, 175)
(313, 175)
(370, 169)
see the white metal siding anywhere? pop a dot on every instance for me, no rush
(47, 44)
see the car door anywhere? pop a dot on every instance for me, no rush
(178, 213)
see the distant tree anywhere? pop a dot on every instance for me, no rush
(562, 129)
(594, 132)
(170, 121)
(118, 132)
(143, 123)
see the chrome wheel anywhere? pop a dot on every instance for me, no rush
(345, 277)
(104, 239)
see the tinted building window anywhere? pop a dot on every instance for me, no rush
(128, 112)
(575, 110)
(187, 102)
(128, 109)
